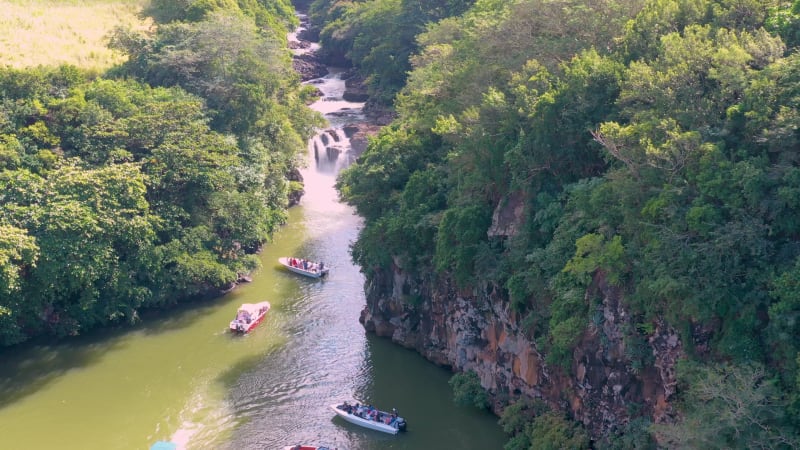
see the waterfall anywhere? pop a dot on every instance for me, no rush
(331, 150)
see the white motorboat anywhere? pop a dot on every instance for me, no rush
(248, 316)
(307, 447)
(304, 267)
(369, 417)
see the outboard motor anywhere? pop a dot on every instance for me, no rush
(401, 424)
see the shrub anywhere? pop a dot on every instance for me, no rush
(467, 390)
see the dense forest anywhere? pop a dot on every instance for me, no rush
(156, 182)
(644, 147)
(548, 152)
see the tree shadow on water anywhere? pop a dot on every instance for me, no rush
(27, 368)
(180, 316)
(31, 366)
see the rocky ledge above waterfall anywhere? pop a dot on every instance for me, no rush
(308, 65)
(359, 134)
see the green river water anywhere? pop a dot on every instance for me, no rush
(181, 376)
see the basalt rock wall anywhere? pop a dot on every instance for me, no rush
(476, 330)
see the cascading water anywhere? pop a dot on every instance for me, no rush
(331, 147)
(331, 150)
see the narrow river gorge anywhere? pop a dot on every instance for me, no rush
(181, 376)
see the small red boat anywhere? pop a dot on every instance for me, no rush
(248, 316)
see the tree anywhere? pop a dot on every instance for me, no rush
(467, 390)
(730, 407)
(18, 256)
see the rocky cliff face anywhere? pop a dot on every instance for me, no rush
(606, 386)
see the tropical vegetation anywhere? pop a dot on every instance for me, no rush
(653, 146)
(155, 182)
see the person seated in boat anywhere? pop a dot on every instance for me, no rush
(321, 266)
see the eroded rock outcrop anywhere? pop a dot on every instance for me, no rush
(612, 378)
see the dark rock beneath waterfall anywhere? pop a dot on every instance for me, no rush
(359, 134)
(300, 44)
(295, 195)
(379, 114)
(334, 58)
(310, 34)
(351, 95)
(355, 89)
(333, 152)
(350, 129)
(309, 67)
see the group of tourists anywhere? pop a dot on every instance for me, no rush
(303, 447)
(370, 413)
(306, 265)
(243, 316)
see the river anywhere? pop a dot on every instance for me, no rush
(181, 376)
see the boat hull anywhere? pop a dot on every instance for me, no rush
(366, 423)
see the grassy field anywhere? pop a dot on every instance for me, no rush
(53, 32)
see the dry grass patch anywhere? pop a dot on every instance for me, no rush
(53, 32)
